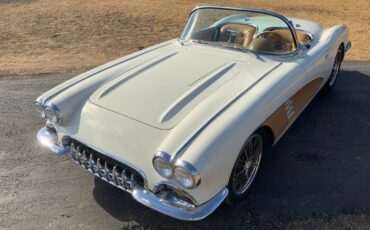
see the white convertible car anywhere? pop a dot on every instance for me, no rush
(183, 125)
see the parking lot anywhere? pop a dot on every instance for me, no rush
(317, 176)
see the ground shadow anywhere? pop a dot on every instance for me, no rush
(319, 168)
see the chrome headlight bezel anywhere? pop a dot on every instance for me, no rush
(166, 169)
(39, 109)
(185, 174)
(187, 170)
(52, 113)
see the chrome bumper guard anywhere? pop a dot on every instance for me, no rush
(129, 180)
(48, 138)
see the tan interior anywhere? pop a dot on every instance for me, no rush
(288, 38)
(281, 39)
(247, 32)
(304, 37)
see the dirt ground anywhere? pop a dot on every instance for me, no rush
(40, 36)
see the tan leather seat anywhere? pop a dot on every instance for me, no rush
(262, 45)
(286, 35)
(288, 38)
(247, 32)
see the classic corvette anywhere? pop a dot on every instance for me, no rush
(183, 125)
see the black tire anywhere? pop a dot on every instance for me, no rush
(329, 85)
(235, 194)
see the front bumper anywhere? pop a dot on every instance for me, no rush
(162, 201)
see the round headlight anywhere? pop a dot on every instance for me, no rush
(40, 109)
(52, 113)
(186, 174)
(162, 165)
(184, 177)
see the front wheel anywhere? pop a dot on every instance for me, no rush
(246, 167)
(335, 72)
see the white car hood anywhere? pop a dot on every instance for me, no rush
(160, 92)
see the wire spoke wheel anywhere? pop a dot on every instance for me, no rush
(247, 164)
(336, 68)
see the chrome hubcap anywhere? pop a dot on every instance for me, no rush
(247, 164)
(336, 69)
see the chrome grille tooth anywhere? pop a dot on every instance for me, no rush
(114, 174)
(133, 181)
(123, 178)
(91, 163)
(106, 171)
(119, 179)
(73, 151)
(98, 167)
(84, 159)
(127, 184)
(110, 170)
(78, 155)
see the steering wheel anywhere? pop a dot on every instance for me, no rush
(277, 39)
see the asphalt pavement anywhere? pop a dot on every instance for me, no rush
(317, 176)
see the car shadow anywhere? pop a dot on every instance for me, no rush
(318, 169)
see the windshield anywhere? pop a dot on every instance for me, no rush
(240, 29)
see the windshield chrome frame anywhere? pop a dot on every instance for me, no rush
(253, 10)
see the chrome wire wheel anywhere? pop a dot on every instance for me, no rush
(247, 164)
(336, 68)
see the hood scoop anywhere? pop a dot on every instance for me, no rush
(161, 92)
(198, 86)
(134, 73)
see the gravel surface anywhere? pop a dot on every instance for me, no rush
(317, 176)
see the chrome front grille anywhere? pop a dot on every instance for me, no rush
(106, 168)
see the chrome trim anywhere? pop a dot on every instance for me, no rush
(189, 214)
(165, 157)
(56, 110)
(141, 172)
(49, 140)
(170, 198)
(160, 186)
(183, 147)
(40, 107)
(163, 201)
(348, 46)
(190, 168)
(254, 10)
(169, 202)
(39, 100)
(114, 172)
